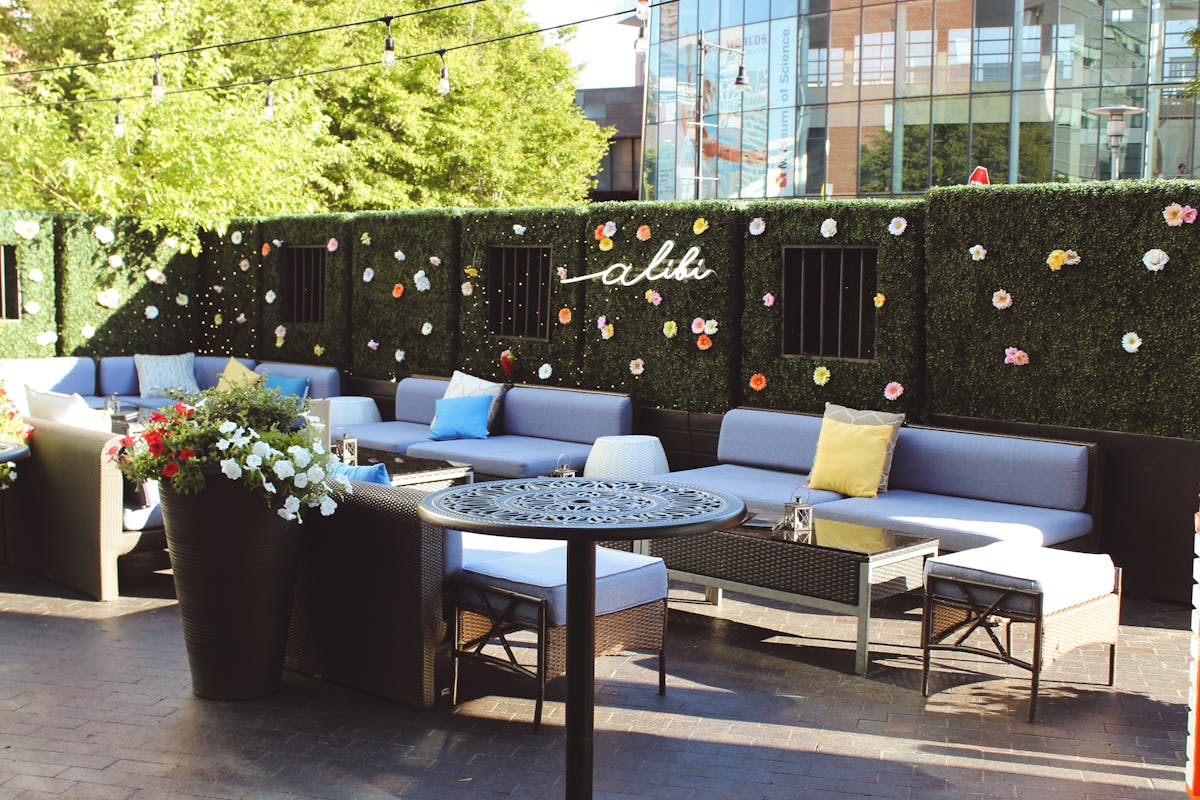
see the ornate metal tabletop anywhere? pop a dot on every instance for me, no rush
(583, 508)
(10, 451)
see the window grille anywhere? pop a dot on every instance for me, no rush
(828, 302)
(518, 292)
(10, 284)
(304, 283)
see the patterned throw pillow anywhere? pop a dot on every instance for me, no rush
(854, 416)
(157, 375)
(464, 385)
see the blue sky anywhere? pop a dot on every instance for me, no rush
(604, 48)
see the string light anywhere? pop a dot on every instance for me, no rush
(157, 89)
(118, 123)
(269, 104)
(444, 76)
(642, 45)
(389, 46)
(642, 10)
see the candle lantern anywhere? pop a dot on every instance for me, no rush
(797, 522)
(563, 469)
(346, 449)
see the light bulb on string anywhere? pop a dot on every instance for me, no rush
(389, 46)
(642, 9)
(158, 90)
(642, 45)
(268, 111)
(444, 76)
(118, 123)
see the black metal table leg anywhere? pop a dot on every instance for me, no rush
(581, 667)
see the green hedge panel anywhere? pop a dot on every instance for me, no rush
(676, 373)
(230, 295)
(478, 351)
(149, 316)
(1070, 322)
(898, 323)
(397, 246)
(32, 235)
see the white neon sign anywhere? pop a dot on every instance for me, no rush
(661, 268)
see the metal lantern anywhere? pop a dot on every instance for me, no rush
(563, 468)
(346, 449)
(797, 520)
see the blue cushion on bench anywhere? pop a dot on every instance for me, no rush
(566, 415)
(394, 437)
(768, 439)
(415, 399)
(764, 491)
(506, 456)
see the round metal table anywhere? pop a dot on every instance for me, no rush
(11, 451)
(581, 511)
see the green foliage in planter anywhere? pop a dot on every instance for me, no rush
(397, 246)
(89, 266)
(37, 282)
(676, 373)
(479, 352)
(232, 261)
(898, 323)
(1070, 321)
(303, 339)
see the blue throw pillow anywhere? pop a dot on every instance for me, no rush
(375, 473)
(460, 418)
(286, 386)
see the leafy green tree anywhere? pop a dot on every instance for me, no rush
(508, 134)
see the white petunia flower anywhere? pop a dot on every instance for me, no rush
(227, 427)
(897, 226)
(283, 468)
(292, 504)
(829, 228)
(268, 487)
(300, 456)
(300, 480)
(151, 312)
(261, 449)
(544, 371)
(1155, 259)
(253, 461)
(222, 444)
(328, 505)
(316, 473)
(231, 469)
(287, 516)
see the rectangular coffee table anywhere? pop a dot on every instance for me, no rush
(842, 567)
(411, 471)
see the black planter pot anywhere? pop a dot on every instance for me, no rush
(234, 561)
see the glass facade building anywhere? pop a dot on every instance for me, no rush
(853, 98)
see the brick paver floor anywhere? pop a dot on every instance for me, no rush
(95, 702)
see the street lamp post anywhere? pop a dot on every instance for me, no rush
(741, 82)
(1116, 131)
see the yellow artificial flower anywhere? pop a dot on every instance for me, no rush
(821, 376)
(880, 299)
(670, 329)
(218, 319)
(649, 295)
(1056, 259)
(699, 226)
(472, 272)
(279, 341)
(606, 244)
(318, 351)
(607, 331)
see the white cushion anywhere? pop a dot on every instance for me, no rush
(69, 409)
(1064, 578)
(157, 375)
(464, 385)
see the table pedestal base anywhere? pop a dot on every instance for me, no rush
(581, 667)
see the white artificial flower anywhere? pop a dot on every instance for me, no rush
(231, 469)
(151, 312)
(155, 276)
(35, 275)
(544, 371)
(435, 261)
(399, 356)
(368, 275)
(103, 234)
(519, 230)
(46, 337)
(757, 226)
(171, 242)
(26, 228)
(218, 288)
(269, 296)
(978, 252)
(427, 329)
(1002, 299)
(1155, 259)
(88, 331)
(829, 228)
(109, 298)
(467, 289)
(280, 331)
(33, 307)
(329, 505)
(116, 261)
(283, 468)
(637, 366)
(240, 319)
(897, 226)
(710, 326)
(610, 229)
(181, 299)
(236, 237)
(244, 264)
(421, 281)
(1131, 342)
(399, 255)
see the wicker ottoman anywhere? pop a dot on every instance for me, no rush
(1070, 598)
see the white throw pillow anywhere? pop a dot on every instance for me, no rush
(157, 375)
(69, 409)
(464, 385)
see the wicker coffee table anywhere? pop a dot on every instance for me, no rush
(842, 567)
(412, 471)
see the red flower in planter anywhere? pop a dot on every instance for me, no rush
(186, 455)
(169, 469)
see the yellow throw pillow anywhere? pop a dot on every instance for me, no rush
(850, 458)
(236, 374)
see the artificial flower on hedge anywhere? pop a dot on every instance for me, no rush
(242, 433)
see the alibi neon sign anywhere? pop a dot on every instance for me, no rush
(661, 268)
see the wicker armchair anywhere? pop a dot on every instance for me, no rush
(367, 612)
(63, 518)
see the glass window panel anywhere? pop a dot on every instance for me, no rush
(668, 16)
(668, 81)
(781, 152)
(758, 10)
(842, 169)
(709, 15)
(1036, 45)
(1075, 136)
(652, 85)
(875, 148)
(729, 156)
(756, 44)
(1035, 113)
(783, 64)
(1126, 41)
(950, 141)
(952, 43)
(814, 59)
(1178, 58)
(650, 164)
(912, 121)
(875, 53)
(1079, 39)
(1134, 144)
(814, 6)
(991, 116)
(687, 16)
(992, 45)
(914, 38)
(731, 13)
(1172, 120)
(843, 34)
(666, 161)
(754, 149)
(731, 96)
(811, 145)
(782, 9)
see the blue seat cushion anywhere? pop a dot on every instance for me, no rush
(959, 523)
(367, 473)
(506, 456)
(623, 580)
(394, 437)
(141, 510)
(764, 491)
(469, 548)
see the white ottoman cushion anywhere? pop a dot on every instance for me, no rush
(1064, 578)
(623, 580)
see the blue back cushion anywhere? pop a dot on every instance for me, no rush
(374, 473)
(286, 385)
(566, 415)
(461, 418)
(415, 398)
(769, 439)
(322, 381)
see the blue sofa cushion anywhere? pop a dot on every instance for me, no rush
(66, 374)
(118, 376)
(769, 439)
(322, 381)
(465, 548)
(394, 437)
(367, 473)
(959, 523)
(141, 507)
(566, 415)
(764, 491)
(415, 398)
(297, 387)
(464, 417)
(1021, 472)
(506, 456)
(623, 580)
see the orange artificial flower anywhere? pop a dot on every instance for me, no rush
(564, 316)
(600, 233)
(758, 381)
(398, 290)
(643, 233)
(266, 248)
(703, 342)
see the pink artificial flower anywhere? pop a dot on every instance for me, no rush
(698, 325)
(1189, 214)
(601, 321)
(893, 390)
(656, 298)
(768, 299)
(332, 245)
(374, 345)
(1014, 355)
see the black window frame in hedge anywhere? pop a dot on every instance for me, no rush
(518, 282)
(10, 283)
(828, 301)
(303, 282)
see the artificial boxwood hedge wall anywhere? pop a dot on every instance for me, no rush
(898, 322)
(1071, 321)
(230, 297)
(32, 236)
